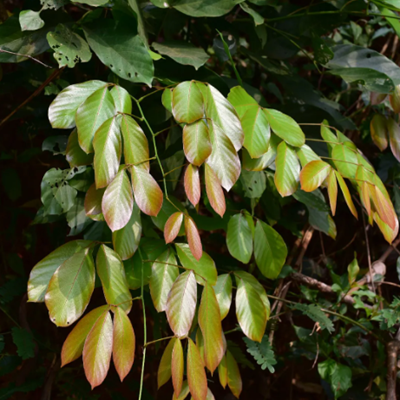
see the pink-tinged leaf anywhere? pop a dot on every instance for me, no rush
(313, 174)
(93, 200)
(287, 170)
(394, 137)
(181, 304)
(117, 202)
(346, 194)
(123, 343)
(196, 142)
(172, 227)
(210, 325)
(379, 131)
(389, 233)
(97, 350)
(192, 184)
(107, 152)
(187, 102)
(195, 372)
(73, 346)
(223, 372)
(224, 159)
(91, 114)
(147, 192)
(71, 288)
(164, 273)
(214, 191)
(74, 154)
(177, 366)
(383, 207)
(332, 191)
(377, 98)
(193, 238)
(366, 184)
(164, 368)
(234, 378)
(136, 146)
(184, 392)
(395, 99)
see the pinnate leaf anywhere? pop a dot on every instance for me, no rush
(187, 102)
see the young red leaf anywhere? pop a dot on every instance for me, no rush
(346, 194)
(181, 304)
(379, 131)
(196, 142)
(195, 372)
(287, 170)
(187, 102)
(73, 345)
(332, 190)
(313, 174)
(147, 192)
(177, 366)
(93, 200)
(223, 372)
(164, 368)
(172, 227)
(193, 238)
(234, 378)
(394, 137)
(123, 343)
(210, 325)
(192, 184)
(117, 202)
(214, 191)
(97, 350)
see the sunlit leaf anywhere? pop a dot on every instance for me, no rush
(193, 238)
(242, 101)
(192, 184)
(345, 160)
(214, 191)
(177, 365)
(306, 154)
(122, 99)
(196, 142)
(313, 174)
(346, 194)
(187, 102)
(287, 173)
(195, 372)
(172, 227)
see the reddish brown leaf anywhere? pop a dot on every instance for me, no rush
(123, 344)
(192, 184)
(177, 366)
(172, 227)
(394, 137)
(193, 238)
(195, 372)
(389, 233)
(214, 191)
(97, 350)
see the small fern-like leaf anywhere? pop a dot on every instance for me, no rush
(316, 314)
(262, 353)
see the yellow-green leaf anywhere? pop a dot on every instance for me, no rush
(192, 184)
(187, 102)
(177, 365)
(234, 378)
(287, 172)
(346, 194)
(196, 142)
(195, 372)
(223, 292)
(313, 174)
(379, 131)
(214, 191)
(164, 368)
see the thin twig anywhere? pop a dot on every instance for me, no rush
(27, 56)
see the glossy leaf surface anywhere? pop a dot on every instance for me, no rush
(187, 102)
(287, 173)
(196, 142)
(214, 191)
(192, 184)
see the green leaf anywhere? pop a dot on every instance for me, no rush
(306, 155)
(223, 292)
(254, 183)
(96, 109)
(74, 153)
(270, 250)
(250, 311)
(136, 146)
(352, 270)
(123, 343)
(258, 19)
(107, 152)
(97, 350)
(315, 313)
(69, 47)
(346, 194)
(223, 115)
(379, 131)
(287, 171)
(203, 268)
(258, 164)
(126, 55)
(196, 142)
(122, 100)
(234, 378)
(242, 101)
(214, 191)
(187, 102)
(164, 368)
(93, 3)
(70, 288)
(164, 273)
(181, 304)
(394, 137)
(313, 174)
(166, 99)
(117, 202)
(210, 325)
(207, 8)
(127, 239)
(30, 20)
(262, 353)
(345, 160)
(338, 375)
(147, 192)
(177, 366)
(285, 127)
(239, 238)
(63, 108)
(73, 346)
(93, 200)
(182, 52)
(196, 374)
(24, 342)
(192, 184)
(223, 372)
(113, 279)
